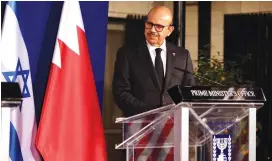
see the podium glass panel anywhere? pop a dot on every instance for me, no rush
(215, 131)
(138, 127)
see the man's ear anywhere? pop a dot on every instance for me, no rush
(171, 29)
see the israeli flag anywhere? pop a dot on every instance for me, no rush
(18, 128)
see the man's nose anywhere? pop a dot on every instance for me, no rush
(153, 29)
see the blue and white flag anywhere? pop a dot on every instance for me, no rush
(18, 130)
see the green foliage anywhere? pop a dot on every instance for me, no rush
(226, 72)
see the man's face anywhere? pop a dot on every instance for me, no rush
(157, 28)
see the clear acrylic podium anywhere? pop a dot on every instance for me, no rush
(188, 129)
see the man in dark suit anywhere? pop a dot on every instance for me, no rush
(143, 74)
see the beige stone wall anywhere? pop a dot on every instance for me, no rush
(122, 8)
(219, 9)
(191, 31)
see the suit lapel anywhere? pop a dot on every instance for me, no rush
(169, 65)
(145, 55)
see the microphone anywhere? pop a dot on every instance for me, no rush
(197, 75)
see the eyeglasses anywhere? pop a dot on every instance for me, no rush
(158, 27)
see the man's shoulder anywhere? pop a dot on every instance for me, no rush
(177, 49)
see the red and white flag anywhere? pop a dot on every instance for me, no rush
(71, 127)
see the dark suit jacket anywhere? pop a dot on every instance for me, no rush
(135, 85)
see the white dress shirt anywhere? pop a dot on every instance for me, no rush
(152, 52)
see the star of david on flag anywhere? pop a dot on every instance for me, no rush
(12, 76)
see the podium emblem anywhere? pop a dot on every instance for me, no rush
(221, 147)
